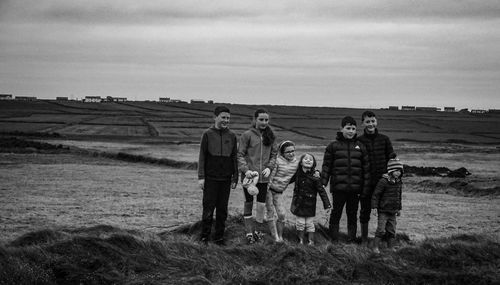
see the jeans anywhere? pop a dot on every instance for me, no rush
(386, 225)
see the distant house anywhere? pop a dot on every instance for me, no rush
(165, 100)
(197, 101)
(449, 109)
(427, 109)
(210, 101)
(62, 98)
(25, 98)
(408, 108)
(478, 111)
(393, 108)
(494, 111)
(115, 99)
(5, 96)
(92, 99)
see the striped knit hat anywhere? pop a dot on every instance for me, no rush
(393, 165)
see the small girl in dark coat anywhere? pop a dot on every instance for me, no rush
(307, 186)
(386, 201)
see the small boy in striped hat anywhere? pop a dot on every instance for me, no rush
(386, 202)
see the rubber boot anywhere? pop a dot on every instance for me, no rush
(334, 232)
(364, 234)
(259, 215)
(279, 227)
(390, 243)
(249, 224)
(301, 235)
(351, 232)
(273, 230)
(376, 244)
(310, 237)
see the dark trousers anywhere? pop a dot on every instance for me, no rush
(350, 200)
(366, 209)
(215, 197)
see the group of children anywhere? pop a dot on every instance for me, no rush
(360, 170)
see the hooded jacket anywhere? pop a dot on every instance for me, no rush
(387, 194)
(282, 173)
(380, 150)
(254, 155)
(346, 166)
(218, 155)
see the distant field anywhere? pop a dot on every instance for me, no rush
(177, 122)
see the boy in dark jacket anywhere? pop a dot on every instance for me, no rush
(380, 150)
(346, 166)
(307, 186)
(386, 200)
(217, 173)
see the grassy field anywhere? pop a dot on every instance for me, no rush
(82, 202)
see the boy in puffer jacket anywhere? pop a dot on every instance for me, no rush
(386, 202)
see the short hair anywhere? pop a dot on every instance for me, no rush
(221, 109)
(260, 111)
(348, 120)
(367, 114)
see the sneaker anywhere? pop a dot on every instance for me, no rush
(250, 239)
(258, 236)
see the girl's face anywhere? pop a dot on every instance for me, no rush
(262, 121)
(307, 161)
(289, 153)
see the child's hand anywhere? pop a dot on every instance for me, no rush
(201, 183)
(398, 213)
(375, 212)
(317, 174)
(266, 172)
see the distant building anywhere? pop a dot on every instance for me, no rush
(5, 96)
(464, 110)
(92, 99)
(449, 109)
(165, 100)
(25, 98)
(478, 111)
(494, 111)
(197, 101)
(115, 99)
(177, 101)
(62, 98)
(210, 101)
(393, 108)
(408, 108)
(427, 109)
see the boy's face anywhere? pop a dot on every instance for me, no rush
(262, 121)
(348, 131)
(307, 161)
(396, 173)
(289, 152)
(222, 120)
(370, 124)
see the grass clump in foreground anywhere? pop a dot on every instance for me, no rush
(108, 255)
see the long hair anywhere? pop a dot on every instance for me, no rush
(313, 168)
(268, 136)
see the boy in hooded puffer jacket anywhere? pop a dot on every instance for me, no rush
(386, 202)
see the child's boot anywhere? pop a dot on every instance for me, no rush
(390, 243)
(376, 244)
(310, 237)
(351, 232)
(301, 235)
(279, 227)
(273, 231)
(364, 234)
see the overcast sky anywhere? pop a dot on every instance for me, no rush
(356, 53)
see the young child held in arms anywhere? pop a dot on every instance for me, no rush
(307, 186)
(386, 202)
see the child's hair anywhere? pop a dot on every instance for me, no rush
(313, 168)
(348, 120)
(220, 109)
(268, 136)
(367, 114)
(283, 145)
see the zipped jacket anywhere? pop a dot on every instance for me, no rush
(380, 150)
(346, 166)
(387, 195)
(254, 155)
(218, 155)
(282, 173)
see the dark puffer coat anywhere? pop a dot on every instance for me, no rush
(305, 194)
(380, 150)
(346, 166)
(387, 195)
